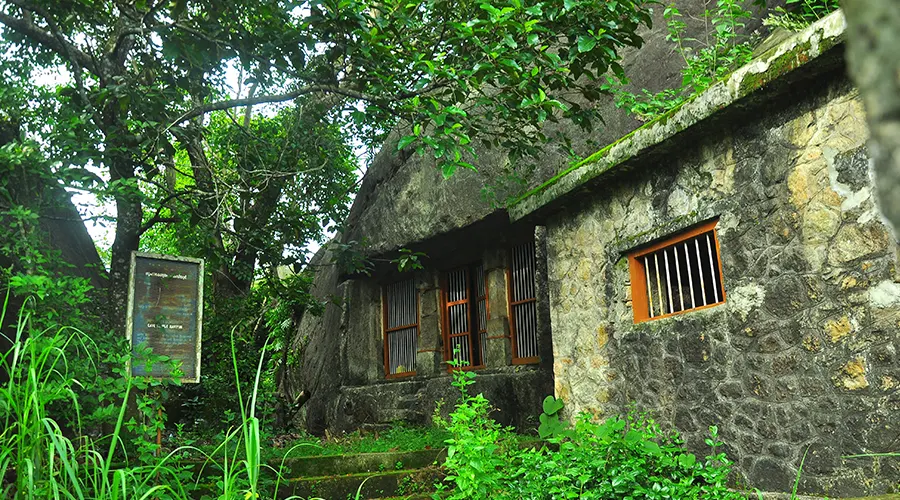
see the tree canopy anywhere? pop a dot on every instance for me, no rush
(144, 115)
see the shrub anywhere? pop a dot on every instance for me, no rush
(477, 458)
(41, 460)
(622, 457)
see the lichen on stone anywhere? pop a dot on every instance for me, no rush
(853, 375)
(838, 329)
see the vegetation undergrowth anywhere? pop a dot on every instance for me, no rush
(40, 459)
(621, 457)
(710, 60)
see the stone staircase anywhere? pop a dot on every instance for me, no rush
(407, 475)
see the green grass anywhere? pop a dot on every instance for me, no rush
(40, 461)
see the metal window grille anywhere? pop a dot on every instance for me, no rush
(401, 327)
(482, 302)
(678, 275)
(465, 332)
(523, 304)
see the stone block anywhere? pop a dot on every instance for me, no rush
(499, 346)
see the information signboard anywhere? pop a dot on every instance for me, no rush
(165, 313)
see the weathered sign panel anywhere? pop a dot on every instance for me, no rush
(165, 313)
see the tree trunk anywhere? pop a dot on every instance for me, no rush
(129, 216)
(873, 38)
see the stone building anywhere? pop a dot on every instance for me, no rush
(722, 265)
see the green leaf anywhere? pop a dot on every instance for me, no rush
(586, 43)
(448, 169)
(552, 405)
(406, 141)
(495, 12)
(687, 460)
(633, 436)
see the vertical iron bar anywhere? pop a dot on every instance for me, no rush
(658, 283)
(712, 269)
(678, 275)
(700, 268)
(668, 282)
(687, 260)
(649, 288)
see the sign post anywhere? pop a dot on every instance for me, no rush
(165, 314)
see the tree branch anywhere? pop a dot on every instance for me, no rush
(55, 43)
(250, 101)
(157, 216)
(313, 89)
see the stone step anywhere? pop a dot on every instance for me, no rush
(366, 486)
(336, 465)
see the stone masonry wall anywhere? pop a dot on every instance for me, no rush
(803, 354)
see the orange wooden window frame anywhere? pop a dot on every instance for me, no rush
(516, 360)
(445, 317)
(639, 293)
(387, 331)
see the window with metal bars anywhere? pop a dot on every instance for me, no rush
(677, 275)
(523, 304)
(401, 328)
(465, 315)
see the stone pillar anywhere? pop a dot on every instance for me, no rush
(429, 355)
(499, 347)
(542, 293)
(361, 331)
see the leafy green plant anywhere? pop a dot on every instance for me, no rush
(627, 457)
(408, 260)
(550, 421)
(45, 463)
(798, 14)
(621, 457)
(476, 456)
(705, 61)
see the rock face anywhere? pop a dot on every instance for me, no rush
(802, 355)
